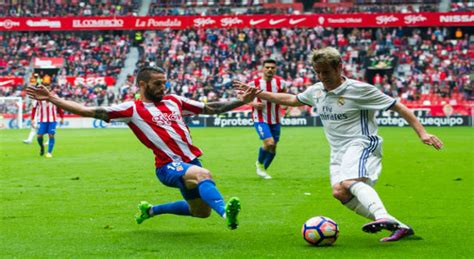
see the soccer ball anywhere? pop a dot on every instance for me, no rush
(320, 231)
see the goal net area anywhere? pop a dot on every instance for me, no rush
(11, 113)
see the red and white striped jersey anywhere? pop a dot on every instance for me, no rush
(44, 111)
(271, 112)
(160, 126)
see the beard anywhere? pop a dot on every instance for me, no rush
(152, 96)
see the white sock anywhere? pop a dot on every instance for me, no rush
(32, 135)
(355, 205)
(369, 199)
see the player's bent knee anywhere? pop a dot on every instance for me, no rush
(204, 175)
(340, 193)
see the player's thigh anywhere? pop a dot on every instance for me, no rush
(359, 162)
(349, 165)
(52, 128)
(42, 128)
(275, 130)
(172, 175)
(263, 130)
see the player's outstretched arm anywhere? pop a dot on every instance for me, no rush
(408, 115)
(219, 107)
(279, 98)
(41, 93)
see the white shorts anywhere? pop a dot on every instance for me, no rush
(358, 161)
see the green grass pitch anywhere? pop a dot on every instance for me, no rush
(81, 202)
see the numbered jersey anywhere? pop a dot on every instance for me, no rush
(160, 126)
(270, 113)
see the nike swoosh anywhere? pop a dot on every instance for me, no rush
(6, 82)
(292, 22)
(273, 22)
(254, 22)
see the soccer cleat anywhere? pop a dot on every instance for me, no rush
(48, 155)
(26, 141)
(376, 226)
(398, 234)
(261, 171)
(232, 209)
(142, 215)
(41, 151)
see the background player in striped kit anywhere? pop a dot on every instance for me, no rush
(266, 116)
(347, 109)
(156, 120)
(47, 115)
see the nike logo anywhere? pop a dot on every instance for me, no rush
(254, 22)
(6, 82)
(273, 22)
(293, 22)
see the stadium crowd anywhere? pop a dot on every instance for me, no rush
(84, 53)
(202, 63)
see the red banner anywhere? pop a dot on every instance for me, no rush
(439, 110)
(10, 81)
(87, 81)
(238, 21)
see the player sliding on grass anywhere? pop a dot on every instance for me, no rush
(156, 120)
(347, 109)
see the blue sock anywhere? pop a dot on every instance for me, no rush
(50, 145)
(211, 196)
(268, 159)
(177, 208)
(40, 142)
(262, 154)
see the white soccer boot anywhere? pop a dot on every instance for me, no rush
(261, 171)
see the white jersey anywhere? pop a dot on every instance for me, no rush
(348, 114)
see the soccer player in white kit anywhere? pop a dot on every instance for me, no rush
(157, 121)
(347, 109)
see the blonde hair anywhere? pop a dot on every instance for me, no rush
(328, 55)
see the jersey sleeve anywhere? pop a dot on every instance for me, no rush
(307, 97)
(284, 86)
(190, 107)
(33, 110)
(371, 98)
(120, 112)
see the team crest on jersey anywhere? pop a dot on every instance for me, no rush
(341, 101)
(177, 166)
(166, 119)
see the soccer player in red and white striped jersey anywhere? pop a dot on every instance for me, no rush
(47, 115)
(157, 121)
(266, 116)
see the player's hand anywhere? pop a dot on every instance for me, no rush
(248, 95)
(258, 106)
(40, 92)
(432, 140)
(240, 85)
(33, 124)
